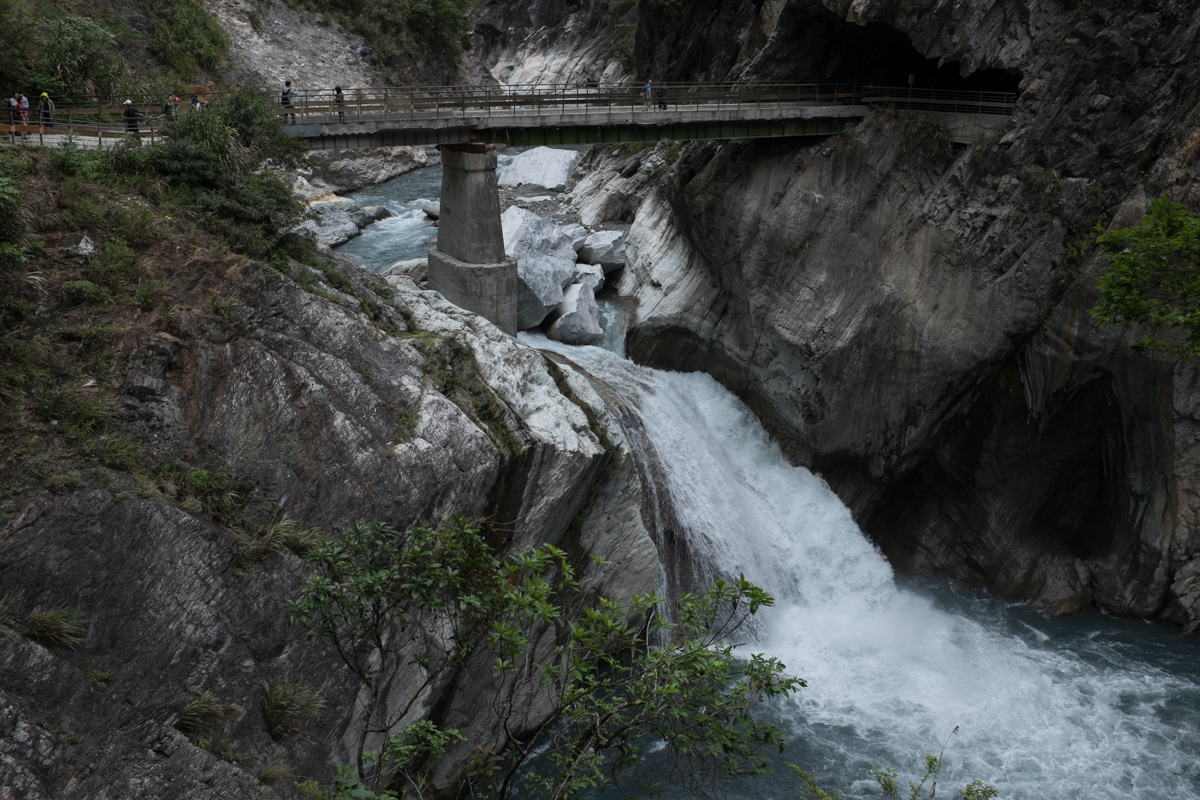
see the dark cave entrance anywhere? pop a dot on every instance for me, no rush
(824, 48)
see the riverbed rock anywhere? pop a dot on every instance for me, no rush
(414, 268)
(542, 166)
(576, 233)
(375, 213)
(346, 170)
(432, 209)
(577, 318)
(606, 248)
(335, 221)
(545, 263)
(591, 275)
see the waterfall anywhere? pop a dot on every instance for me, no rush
(1088, 708)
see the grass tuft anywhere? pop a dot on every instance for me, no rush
(287, 706)
(64, 626)
(204, 712)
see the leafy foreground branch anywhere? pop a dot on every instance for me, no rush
(574, 700)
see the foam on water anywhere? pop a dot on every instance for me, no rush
(891, 671)
(1084, 707)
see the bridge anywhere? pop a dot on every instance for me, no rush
(468, 265)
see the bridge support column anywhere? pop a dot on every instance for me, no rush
(468, 265)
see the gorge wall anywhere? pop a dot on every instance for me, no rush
(910, 318)
(304, 403)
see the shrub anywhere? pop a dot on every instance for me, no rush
(204, 712)
(287, 706)
(186, 37)
(79, 56)
(63, 626)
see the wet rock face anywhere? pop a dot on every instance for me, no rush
(912, 320)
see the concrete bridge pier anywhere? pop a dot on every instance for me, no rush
(468, 265)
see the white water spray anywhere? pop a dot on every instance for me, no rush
(889, 673)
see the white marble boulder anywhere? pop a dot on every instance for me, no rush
(606, 248)
(590, 274)
(335, 221)
(545, 264)
(577, 233)
(578, 317)
(541, 166)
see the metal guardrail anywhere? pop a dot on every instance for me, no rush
(81, 117)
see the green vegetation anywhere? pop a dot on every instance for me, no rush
(186, 37)
(62, 626)
(97, 243)
(204, 713)
(404, 32)
(1153, 278)
(287, 706)
(71, 47)
(379, 593)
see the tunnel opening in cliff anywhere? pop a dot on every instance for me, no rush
(822, 47)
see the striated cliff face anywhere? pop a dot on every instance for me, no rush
(911, 319)
(346, 400)
(553, 41)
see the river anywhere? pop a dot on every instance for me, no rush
(1077, 707)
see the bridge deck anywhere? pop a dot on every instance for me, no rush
(558, 114)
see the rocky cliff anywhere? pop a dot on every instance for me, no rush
(290, 405)
(911, 318)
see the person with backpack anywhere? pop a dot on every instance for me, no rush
(286, 98)
(647, 95)
(46, 110)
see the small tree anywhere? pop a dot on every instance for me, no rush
(1153, 276)
(427, 599)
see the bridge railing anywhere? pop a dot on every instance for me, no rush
(418, 104)
(99, 121)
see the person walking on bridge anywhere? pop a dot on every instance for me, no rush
(131, 115)
(339, 100)
(286, 99)
(46, 109)
(647, 95)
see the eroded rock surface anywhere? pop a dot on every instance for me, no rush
(330, 405)
(911, 319)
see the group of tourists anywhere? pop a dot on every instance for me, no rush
(18, 109)
(649, 96)
(287, 100)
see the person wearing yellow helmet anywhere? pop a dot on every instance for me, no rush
(46, 110)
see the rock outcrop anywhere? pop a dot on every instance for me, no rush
(577, 318)
(312, 408)
(910, 318)
(545, 263)
(547, 167)
(341, 171)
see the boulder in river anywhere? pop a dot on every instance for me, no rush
(578, 319)
(541, 166)
(590, 274)
(606, 248)
(577, 234)
(545, 263)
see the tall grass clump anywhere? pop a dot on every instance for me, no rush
(287, 706)
(63, 626)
